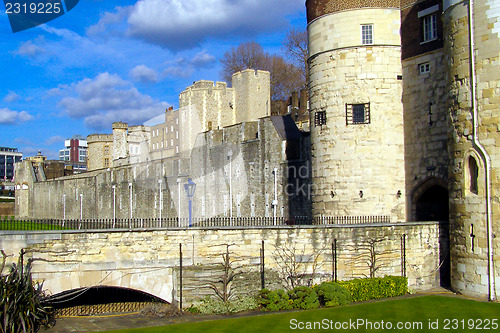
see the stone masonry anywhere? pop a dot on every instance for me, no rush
(149, 260)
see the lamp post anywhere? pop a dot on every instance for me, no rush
(190, 187)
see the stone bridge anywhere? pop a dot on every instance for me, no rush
(148, 260)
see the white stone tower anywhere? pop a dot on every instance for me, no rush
(355, 88)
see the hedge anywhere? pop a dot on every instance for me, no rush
(375, 288)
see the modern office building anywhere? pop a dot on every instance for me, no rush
(75, 152)
(8, 157)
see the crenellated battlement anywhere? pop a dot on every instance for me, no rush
(93, 138)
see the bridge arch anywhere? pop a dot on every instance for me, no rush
(61, 278)
(100, 295)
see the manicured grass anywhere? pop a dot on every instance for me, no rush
(420, 312)
(27, 225)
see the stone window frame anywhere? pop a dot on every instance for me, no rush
(473, 176)
(357, 114)
(367, 34)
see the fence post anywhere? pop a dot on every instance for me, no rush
(262, 276)
(180, 275)
(403, 255)
(334, 260)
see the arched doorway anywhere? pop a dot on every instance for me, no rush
(431, 203)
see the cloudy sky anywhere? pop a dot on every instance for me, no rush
(107, 61)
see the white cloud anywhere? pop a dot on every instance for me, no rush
(144, 74)
(55, 139)
(203, 59)
(108, 19)
(30, 49)
(108, 98)
(183, 68)
(182, 24)
(10, 117)
(11, 97)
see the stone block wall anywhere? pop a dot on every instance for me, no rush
(426, 126)
(149, 260)
(233, 169)
(474, 150)
(360, 158)
(357, 168)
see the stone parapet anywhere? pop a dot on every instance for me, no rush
(317, 8)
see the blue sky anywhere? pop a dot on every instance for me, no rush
(107, 61)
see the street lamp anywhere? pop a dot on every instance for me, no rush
(190, 187)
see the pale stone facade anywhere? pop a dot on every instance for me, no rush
(450, 102)
(426, 128)
(240, 170)
(474, 148)
(100, 151)
(358, 168)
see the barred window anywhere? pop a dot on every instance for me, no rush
(357, 114)
(320, 118)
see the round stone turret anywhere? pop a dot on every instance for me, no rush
(356, 110)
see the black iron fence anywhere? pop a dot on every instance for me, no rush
(180, 222)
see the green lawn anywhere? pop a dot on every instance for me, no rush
(420, 314)
(26, 225)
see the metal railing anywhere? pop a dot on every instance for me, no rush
(177, 222)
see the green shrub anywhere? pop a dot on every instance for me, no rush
(216, 306)
(274, 300)
(332, 294)
(243, 303)
(22, 301)
(303, 298)
(375, 288)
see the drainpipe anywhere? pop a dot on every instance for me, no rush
(481, 151)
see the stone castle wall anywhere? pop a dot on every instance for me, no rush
(149, 260)
(473, 244)
(426, 126)
(232, 167)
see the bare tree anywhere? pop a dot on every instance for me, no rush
(295, 47)
(370, 253)
(293, 265)
(285, 76)
(223, 286)
(246, 55)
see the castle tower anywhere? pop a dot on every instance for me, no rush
(355, 88)
(253, 95)
(473, 86)
(120, 147)
(100, 151)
